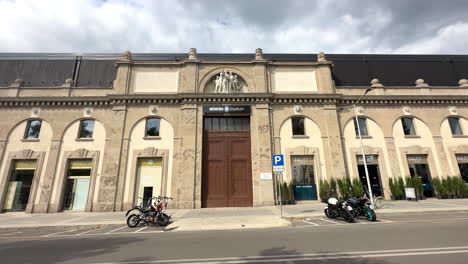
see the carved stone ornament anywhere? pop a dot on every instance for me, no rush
(463, 83)
(421, 83)
(127, 56)
(375, 83)
(406, 110)
(321, 56)
(359, 110)
(453, 110)
(297, 109)
(87, 111)
(35, 112)
(193, 55)
(226, 82)
(153, 109)
(258, 54)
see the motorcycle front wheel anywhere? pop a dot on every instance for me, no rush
(370, 215)
(133, 220)
(349, 217)
(163, 219)
(329, 214)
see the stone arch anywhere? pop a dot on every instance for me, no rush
(131, 130)
(70, 124)
(209, 76)
(282, 123)
(148, 147)
(26, 120)
(351, 120)
(309, 144)
(418, 120)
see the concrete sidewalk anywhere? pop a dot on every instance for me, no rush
(216, 218)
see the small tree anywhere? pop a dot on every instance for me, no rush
(324, 190)
(333, 190)
(409, 182)
(393, 188)
(445, 187)
(418, 186)
(401, 188)
(357, 189)
(344, 189)
(437, 184)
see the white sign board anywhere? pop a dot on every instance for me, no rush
(278, 168)
(410, 193)
(265, 176)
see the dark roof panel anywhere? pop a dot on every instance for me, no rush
(96, 73)
(51, 69)
(36, 72)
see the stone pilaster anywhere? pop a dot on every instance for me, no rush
(121, 177)
(333, 148)
(261, 155)
(111, 161)
(45, 186)
(392, 157)
(441, 156)
(183, 179)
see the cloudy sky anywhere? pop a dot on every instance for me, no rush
(239, 26)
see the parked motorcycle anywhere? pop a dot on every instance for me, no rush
(336, 208)
(362, 207)
(154, 211)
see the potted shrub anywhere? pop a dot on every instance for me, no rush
(324, 189)
(357, 189)
(333, 190)
(418, 187)
(436, 183)
(285, 192)
(445, 188)
(393, 190)
(401, 189)
(291, 192)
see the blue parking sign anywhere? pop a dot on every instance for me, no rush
(278, 160)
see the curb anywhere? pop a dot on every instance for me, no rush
(60, 227)
(449, 210)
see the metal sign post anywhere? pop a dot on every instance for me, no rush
(278, 168)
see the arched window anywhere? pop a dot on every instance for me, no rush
(298, 126)
(408, 126)
(33, 129)
(86, 128)
(152, 127)
(362, 126)
(454, 123)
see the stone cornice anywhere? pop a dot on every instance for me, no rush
(266, 98)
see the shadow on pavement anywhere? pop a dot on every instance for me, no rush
(60, 250)
(283, 251)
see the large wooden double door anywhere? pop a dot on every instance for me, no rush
(227, 173)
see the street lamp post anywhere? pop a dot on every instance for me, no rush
(360, 140)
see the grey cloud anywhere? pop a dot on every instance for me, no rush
(334, 26)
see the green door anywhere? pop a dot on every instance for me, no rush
(81, 194)
(303, 177)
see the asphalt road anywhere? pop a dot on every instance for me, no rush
(397, 238)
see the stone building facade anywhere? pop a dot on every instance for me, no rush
(94, 132)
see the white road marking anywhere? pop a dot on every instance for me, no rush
(59, 233)
(140, 229)
(310, 223)
(333, 222)
(85, 232)
(112, 231)
(313, 256)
